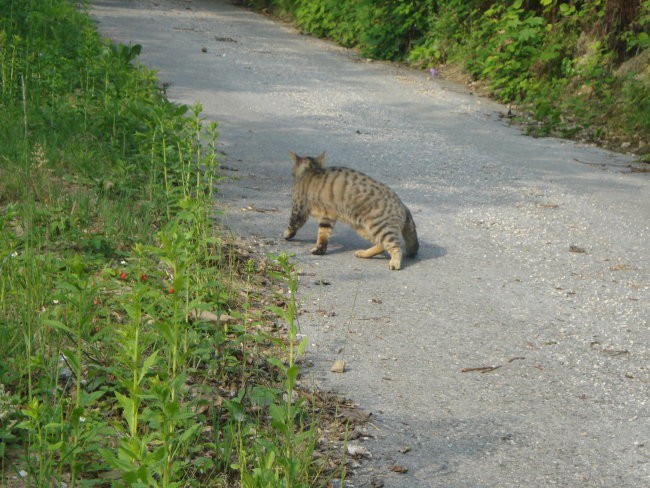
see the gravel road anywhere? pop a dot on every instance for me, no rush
(514, 350)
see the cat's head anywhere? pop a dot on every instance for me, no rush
(307, 163)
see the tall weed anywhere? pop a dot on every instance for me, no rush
(116, 363)
(558, 61)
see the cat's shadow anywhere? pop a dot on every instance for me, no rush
(347, 241)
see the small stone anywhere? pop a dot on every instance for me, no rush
(358, 451)
(338, 366)
(224, 318)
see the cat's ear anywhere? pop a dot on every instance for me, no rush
(299, 164)
(320, 159)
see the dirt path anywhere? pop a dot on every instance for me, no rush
(534, 255)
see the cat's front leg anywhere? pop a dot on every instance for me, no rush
(296, 221)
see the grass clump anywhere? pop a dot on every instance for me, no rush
(138, 350)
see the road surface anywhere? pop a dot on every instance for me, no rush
(514, 350)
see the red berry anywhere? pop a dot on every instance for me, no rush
(122, 275)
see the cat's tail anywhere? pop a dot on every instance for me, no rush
(410, 235)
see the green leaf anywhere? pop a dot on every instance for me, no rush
(56, 446)
(58, 325)
(128, 408)
(189, 433)
(25, 425)
(262, 395)
(157, 455)
(292, 374)
(277, 363)
(90, 398)
(277, 413)
(527, 33)
(147, 365)
(302, 346)
(126, 457)
(566, 9)
(279, 311)
(270, 460)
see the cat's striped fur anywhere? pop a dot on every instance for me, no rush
(372, 209)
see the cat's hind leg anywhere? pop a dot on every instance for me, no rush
(395, 255)
(368, 253)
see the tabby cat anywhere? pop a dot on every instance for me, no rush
(372, 209)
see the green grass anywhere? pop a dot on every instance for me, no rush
(117, 369)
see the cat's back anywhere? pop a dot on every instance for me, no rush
(347, 192)
(340, 184)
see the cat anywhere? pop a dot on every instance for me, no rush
(334, 193)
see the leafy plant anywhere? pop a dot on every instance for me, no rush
(557, 60)
(113, 279)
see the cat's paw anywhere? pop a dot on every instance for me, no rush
(319, 251)
(289, 234)
(394, 265)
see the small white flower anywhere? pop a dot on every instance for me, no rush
(14, 254)
(55, 302)
(22, 473)
(82, 419)
(122, 262)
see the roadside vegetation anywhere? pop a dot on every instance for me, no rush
(137, 346)
(579, 69)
